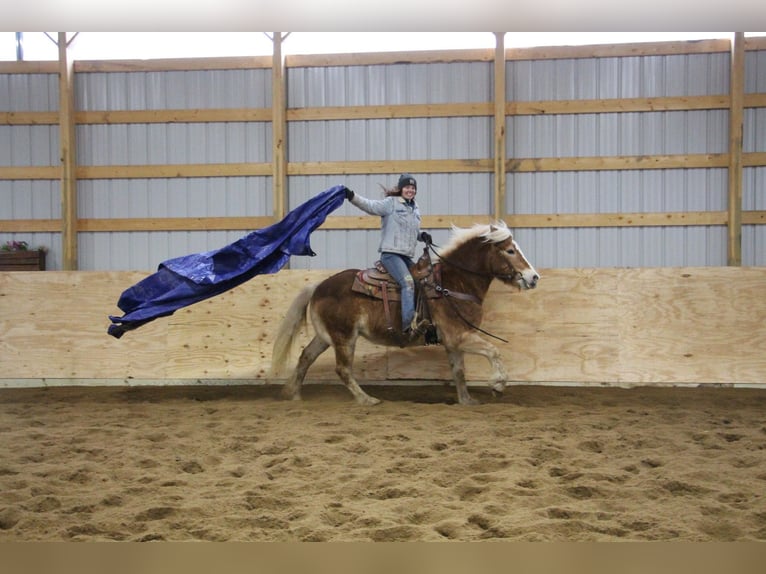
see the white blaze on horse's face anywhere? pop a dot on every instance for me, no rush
(526, 275)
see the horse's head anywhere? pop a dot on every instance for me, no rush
(507, 262)
(490, 250)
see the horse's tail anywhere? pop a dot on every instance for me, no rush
(288, 329)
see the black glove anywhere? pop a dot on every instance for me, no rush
(349, 194)
(425, 237)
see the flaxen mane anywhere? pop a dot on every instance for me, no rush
(495, 233)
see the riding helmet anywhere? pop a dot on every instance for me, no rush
(406, 179)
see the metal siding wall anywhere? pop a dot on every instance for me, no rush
(754, 197)
(141, 198)
(34, 146)
(173, 90)
(436, 138)
(186, 143)
(402, 139)
(754, 178)
(646, 133)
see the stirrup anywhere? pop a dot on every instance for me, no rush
(418, 328)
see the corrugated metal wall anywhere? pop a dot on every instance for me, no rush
(390, 139)
(182, 143)
(619, 134)
(30, 146)
(754, 178)
(684, 132)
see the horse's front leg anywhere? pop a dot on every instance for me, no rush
(457, 364)
(473, 343)
(344, 360)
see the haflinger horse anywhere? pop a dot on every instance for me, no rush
(458, 281)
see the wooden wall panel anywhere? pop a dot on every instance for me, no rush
(591, 326)
(53, 325)
(693, 325)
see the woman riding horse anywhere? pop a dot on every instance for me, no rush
(459, 283)
(400, 231)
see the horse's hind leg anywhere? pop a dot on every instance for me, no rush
(344, 359)
(457, 363)
(292, 388)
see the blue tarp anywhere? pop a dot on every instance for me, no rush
(186, 280)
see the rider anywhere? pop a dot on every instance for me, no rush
(400, 231)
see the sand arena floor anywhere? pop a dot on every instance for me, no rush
(237, 463)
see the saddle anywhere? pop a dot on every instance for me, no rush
(378, 283)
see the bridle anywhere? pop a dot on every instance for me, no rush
(450, 295)
(501, 276)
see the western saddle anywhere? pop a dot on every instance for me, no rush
(376, 282)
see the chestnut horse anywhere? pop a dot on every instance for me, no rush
(473, 258)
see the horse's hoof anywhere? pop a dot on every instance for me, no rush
(290, 396)
(469, 401)
(369, 401)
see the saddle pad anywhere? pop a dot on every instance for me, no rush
(372, 282)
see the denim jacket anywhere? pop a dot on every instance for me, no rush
(400, 223)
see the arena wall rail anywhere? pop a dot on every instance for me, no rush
(612, 327)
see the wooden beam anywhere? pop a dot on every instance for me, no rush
(174, 64)
(279, 128)
(618, 105)
(598, 163)
(31, 172)
(29, 67)
(390, 112)
(68, 149)
(390, 166)
(519, 165)
(619, 50)
(30, 225)
(384, 58)
(753, 217)
(328, 113)
(176, 223)
(387, 58)
(663, 219)
(429, 221)
(173, 170)
(535, 221)
(737, 90)
(499, 123)
(174, 116)
(29, 118)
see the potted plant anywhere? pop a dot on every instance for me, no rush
(19, 256)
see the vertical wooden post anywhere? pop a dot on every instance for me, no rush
(278, 128)
(737, 96)
(68, 158)
(499, 101)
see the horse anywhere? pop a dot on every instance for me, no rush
(458, 282)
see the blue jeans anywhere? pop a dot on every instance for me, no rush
(398, 266)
